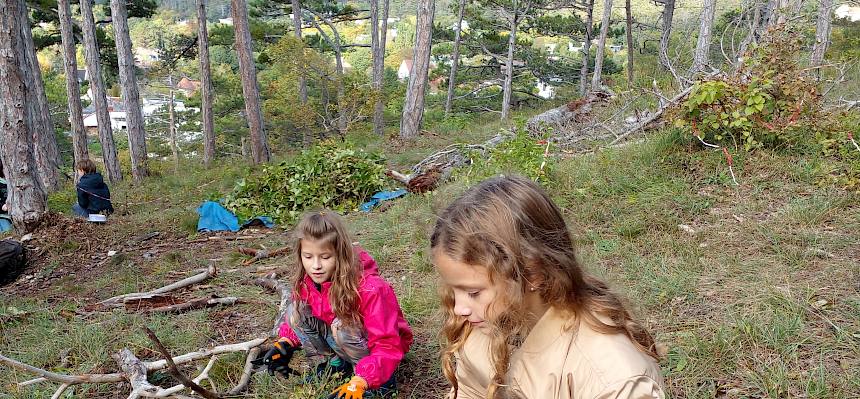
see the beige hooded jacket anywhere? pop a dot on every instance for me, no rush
(559, 363)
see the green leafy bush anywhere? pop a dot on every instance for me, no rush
(768, 102)
(519, 154)
(327, 175)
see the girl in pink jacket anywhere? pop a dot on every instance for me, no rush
(343, 314)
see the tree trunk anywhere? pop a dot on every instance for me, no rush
(97, 90)
(206, 85)
(455, 58)
(379, 72)
(822, 33)
(338, 64)
(307, 139)
(27, 199)
(629, 28)
(172, 127)
(703, 45)
(601, 45)
(668, 13)
(130, 94)
(70, 63)
(248, 70)
(507, 89)
(752, 35)
(413, 106)
(44, 139)
(586, 47)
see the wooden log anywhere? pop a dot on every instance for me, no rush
(200, 277)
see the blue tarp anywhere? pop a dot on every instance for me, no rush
(5, 223)
(214, 217)
(381, 196)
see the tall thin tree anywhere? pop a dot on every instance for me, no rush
(250, 90)
(668, 16)
(206, 93)
(379, 35)
(586, 47)
(307, 137)
(97, 91)
(455, 57)
(596, 79)
(130, 92)
(628, 13)
(413, 105)
(822, 33)
(73, 89)
(44, 141)
(703, 44)
(27, 198)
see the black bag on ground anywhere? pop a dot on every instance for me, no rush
(13, 260)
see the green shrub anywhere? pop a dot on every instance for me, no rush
(327, 175)
(519, 154)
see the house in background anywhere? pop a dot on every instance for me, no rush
(188, 86)
(405, 69)
(851, 13)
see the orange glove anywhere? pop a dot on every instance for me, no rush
(354, 389)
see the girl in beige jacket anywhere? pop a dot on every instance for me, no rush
(523, 319)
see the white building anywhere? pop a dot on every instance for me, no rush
(851, 13)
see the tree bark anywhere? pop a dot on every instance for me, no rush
(250, 90)
(206, 85)
(97, 89)
(70, 63)
(507, 89)
(27, 199)
(307, 138)
(668, 14)
(130, 94)
(703, 45)
(822, 33)
(455, 58)
(596, 83)
(172, 127)
(44, 139)
(629, 28)
(379, 69)
(752, 35)
(586, 47)
(413, 106)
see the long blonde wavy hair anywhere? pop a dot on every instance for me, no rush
(510, 226)
(328, 228)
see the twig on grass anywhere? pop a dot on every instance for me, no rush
(174, 371)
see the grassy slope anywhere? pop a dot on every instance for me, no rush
(761, 300)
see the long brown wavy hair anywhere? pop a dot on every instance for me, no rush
(328, 227)
(510, 226)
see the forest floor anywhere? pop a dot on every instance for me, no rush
(755, 288)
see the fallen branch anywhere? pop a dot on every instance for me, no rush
(120, 299)
(175, 371)
(246, 373)
(129, 360)
(271, 284)
(259, 254)
(198, 303)
(655, 116)
(573, 111)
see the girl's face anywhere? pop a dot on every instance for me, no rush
(474, 293)
(318, 259)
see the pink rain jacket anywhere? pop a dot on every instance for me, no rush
(388, 333)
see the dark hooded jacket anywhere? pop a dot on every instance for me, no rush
(93, 193)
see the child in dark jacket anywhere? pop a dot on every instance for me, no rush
(93, 193)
